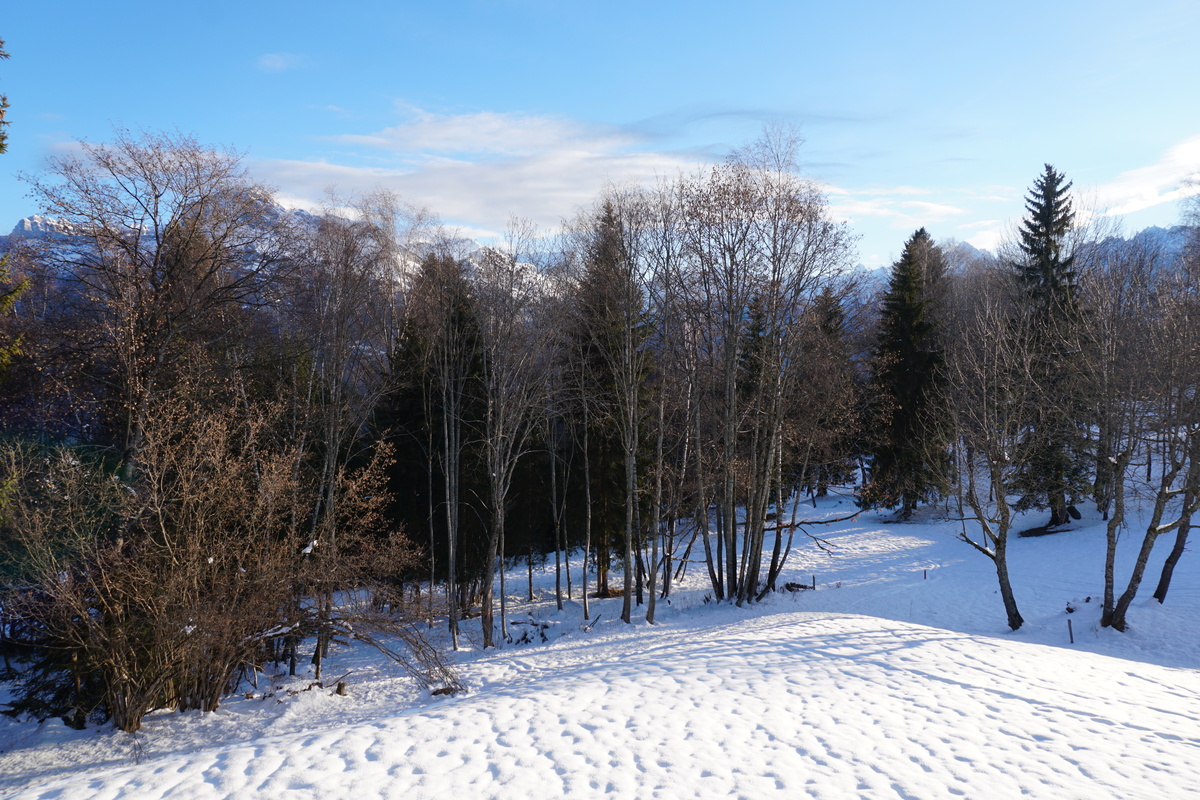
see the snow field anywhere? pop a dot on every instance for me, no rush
(837, 693)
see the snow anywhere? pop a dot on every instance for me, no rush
(897, 677)
(39, 227)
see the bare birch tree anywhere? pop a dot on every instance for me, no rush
(986, 397)
(1189, 313)
(1149, 355)
(506, 292)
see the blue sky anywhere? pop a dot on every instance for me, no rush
(914, 114)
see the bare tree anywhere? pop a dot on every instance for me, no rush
(513, 385)
(986, 397)
(1149, 360)
(163, 595)
(670, 390)
(761, 245)
(1189, 276)
(441, 315)
(339, 322)
(1119, 288)
(556, 431)
(167, 236)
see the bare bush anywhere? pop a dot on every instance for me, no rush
(160, 592)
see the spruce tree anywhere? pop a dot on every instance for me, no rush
(434, 412)
(607, 336)
(828, 455)
(909, 460)
(1050, 469)
(1046, 272)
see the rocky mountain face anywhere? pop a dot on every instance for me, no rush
(39, 227)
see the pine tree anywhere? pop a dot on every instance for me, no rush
(909, 456)
(1050, 465)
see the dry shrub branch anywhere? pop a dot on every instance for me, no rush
(161, 591)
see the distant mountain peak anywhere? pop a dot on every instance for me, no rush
(39, 227)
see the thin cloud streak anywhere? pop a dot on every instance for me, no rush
(489, 133)
(1164, 181)
(904, 213)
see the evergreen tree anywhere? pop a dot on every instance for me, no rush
(829, 448)
(1050, 466)
(908, 441)
(607, 337)
(10, 346)
(1046, 272)
(434, 412)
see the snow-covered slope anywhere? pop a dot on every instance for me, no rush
(895, 678)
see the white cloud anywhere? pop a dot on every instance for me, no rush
(278, 62)
(981, 224)
(1158, 183)
(901, 213)
(476, 169)
(989, 238)
(881, 191)
(878, 212)
(490, 133)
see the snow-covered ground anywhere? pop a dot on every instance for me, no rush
(897, 677)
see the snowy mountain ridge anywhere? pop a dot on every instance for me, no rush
(39, 227)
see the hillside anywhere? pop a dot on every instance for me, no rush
(895, 678)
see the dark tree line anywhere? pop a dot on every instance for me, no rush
(649, 386)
